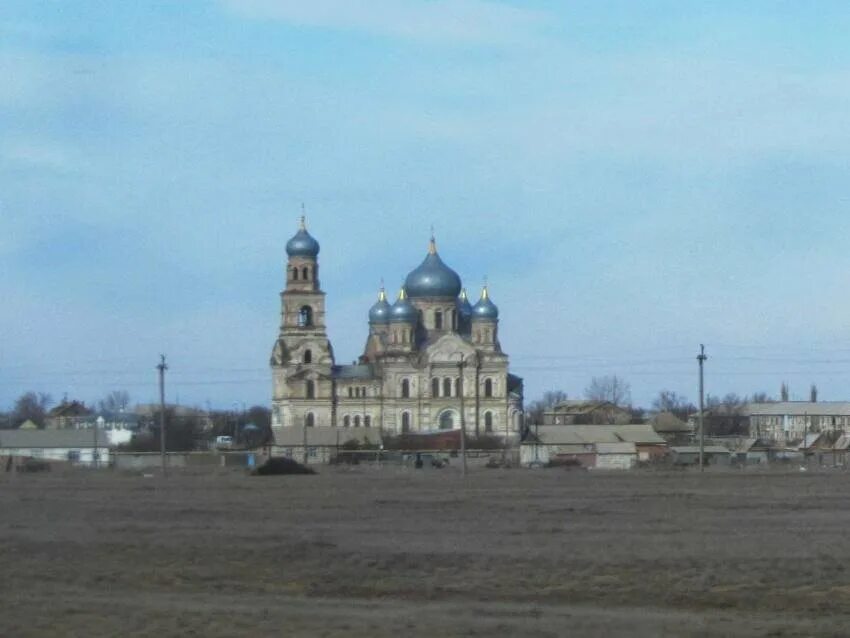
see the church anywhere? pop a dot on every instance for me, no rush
(432, 360)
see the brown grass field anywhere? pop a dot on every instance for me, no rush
(367, 551)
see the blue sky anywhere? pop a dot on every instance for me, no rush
(633, 178)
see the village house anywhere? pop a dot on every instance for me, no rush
(67, 415)
(581, 444)
(573, 412)
(788, 422)
(323, 443)
(77, 447)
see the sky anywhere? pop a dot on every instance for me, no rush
(632, 178)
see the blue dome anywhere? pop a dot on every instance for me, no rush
(485, 309)
(380, 312)
(402, 310)
(464, 308)
(432, 278)
(302, 244)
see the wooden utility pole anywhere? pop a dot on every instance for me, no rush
(701, 358)
(162, 368)
(462, 420)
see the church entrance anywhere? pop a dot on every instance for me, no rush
(448, 420)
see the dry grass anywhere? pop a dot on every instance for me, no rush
(381, 552)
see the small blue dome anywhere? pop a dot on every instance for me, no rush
(464, 308)
(432, 278)
(485, 309)
(402, 310)
(302, 243)
(380, 312)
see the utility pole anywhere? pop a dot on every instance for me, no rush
(162, 368)
(701, 358)
(462, 420)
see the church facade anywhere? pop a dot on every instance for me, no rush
(432, 360)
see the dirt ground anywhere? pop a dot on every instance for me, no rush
(391, 551)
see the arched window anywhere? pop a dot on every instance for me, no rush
(310, 389)
(295, 274)
(305, 317)
(305, 273)
(309, 420)
(457, 387)
(488, 388)
(405, 388)
(488, 421)
(367, 421)
(447, 421)
(438, 319)
(363, 391)
(346, 421)
(405, 422)
(435, 387)
(447, 387)
(308, 356)
(350, 392)
(357, 421)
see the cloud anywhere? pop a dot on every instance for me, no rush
(462, 21)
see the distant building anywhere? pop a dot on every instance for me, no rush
(432, 360)
(671, 428)
(78, 447)
(581, 444)
(577, 412)
(67, 415)
(322, 443)
(788, 422)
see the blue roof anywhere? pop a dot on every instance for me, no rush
(302, 243)
(432, 278)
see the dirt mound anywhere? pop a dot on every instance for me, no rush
(280, 466)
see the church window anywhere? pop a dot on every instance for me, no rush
(305, 317)
(438, 320)
(305, 273)
(405, 422)
(488, 388)
(367, 421)
(308, 356)
(488, 421)
(357, 421)
(346, 421)
(457, 387)
(350, 392)
(363, 391)
(310, 389)
(435, 387)
(309, 420)
(447, 387)
(295, 274)
(405, 388)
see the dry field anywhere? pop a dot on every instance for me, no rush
(399, 552)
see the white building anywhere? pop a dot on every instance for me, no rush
(786, 422)
(78, 447)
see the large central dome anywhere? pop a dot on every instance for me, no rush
(432, 278)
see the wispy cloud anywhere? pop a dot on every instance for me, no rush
(464, 21)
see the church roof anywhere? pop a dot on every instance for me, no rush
(356, 371)
(432, 278)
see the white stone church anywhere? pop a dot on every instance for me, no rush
(432, 360)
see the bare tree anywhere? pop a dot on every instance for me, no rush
(115, 401)
(550, 399)
(669, 401)
(783, 392)
(761, 397)
(609, 388)
(31, 406)
(813, 394)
